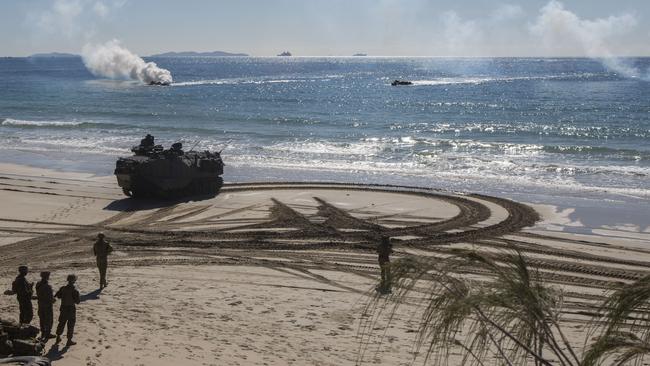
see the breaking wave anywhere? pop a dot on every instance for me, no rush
(32, 124)
(460, 161)
(20, 122)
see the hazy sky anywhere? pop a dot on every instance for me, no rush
(332, 27)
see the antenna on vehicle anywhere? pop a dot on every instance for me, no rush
(227, 143)
(197, 142)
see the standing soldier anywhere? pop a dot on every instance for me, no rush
(24, 291)
(102, 249)
(147, 142)
(46, 300)
(384, 250)
(68, 314)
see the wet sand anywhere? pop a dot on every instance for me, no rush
(273, 273)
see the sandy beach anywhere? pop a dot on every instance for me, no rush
(274, 273)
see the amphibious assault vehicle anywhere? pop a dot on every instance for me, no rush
(155, 172)
(401, 82)
(160, 83)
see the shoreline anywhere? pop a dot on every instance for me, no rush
(576, 212)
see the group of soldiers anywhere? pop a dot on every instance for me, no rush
(70, 298)
(45, 296)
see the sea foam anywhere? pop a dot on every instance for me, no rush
(20, 122)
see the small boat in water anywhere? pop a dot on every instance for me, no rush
(400, 82)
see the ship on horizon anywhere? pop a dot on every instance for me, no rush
(285, 54)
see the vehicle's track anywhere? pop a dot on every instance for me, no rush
(328, 237)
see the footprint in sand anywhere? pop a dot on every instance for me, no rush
(310, 327)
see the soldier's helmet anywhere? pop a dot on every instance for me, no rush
(100, 235)
(72, 278)
(45, 275)
(22, 269)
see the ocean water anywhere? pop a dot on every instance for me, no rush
(520, 127)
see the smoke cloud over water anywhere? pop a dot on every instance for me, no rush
(113, 61)
(564, 32)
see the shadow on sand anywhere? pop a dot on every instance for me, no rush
(55, 353)
(138, 204)
(94, 295)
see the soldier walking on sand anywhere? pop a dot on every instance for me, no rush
(24, 291)
(102, 249)
(68, 313)
(46, 300)
(384, 249)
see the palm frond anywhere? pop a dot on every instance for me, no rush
(625, 347)
(623, 324)
(626, 301)
(512, 314)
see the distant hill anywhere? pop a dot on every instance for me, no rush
(195, 54)
(53, 54)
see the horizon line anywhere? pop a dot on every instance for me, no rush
(348, 56)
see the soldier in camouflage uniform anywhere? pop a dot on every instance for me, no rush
(102, 249)
(46, 300)
(68, 312)
(23, 289)
(384, 249)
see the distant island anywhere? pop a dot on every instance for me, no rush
(52, 55)
(198, 54)
(360, 54)
(285, 53)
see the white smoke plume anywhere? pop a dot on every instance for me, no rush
(111, 60)
(564, 32)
